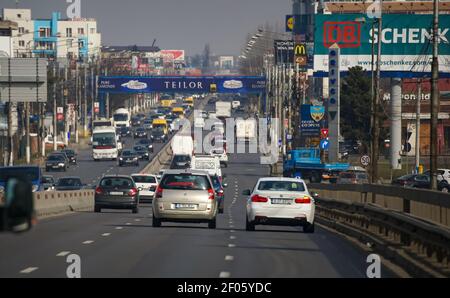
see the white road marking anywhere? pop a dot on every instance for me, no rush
(88, 242)
(106, 234)
(232, 237)
(29, 270)
(232, 231)
(63, 254)
(224, 274)
(119, 228)
(128, 223)
(229, 258)
(137, 220)
(231, 245)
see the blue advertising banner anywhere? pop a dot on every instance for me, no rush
(312, 120)
(228, 84)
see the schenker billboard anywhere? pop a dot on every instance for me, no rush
(406, 42)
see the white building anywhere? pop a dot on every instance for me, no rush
(23, 37)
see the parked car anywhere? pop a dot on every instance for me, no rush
(146, 184)
(353, 177)
(424, 181)
(140, 132)
(145, 142)
(442, 174)
(185, 196)
(405, 180)
(69, 183)
(280, 201)
(48, 182)
(70, 153)
(142, 152)
(116, 192)
(128, 157)
(56, 162)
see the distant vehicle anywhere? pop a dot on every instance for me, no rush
(128, 157)
(189, 101)
(307, 164)
(353, 177)
(69, 183)
(48, 183)
(221, 154)
(223, 109)
(147, 143)
(102, 122)
(181, 162)
(424, 181)
(48, 140)
(208, 163)
(442, 174)
(406, 180)
(56, 162)
(182, 144)
(146, 184)
(116, 192)
(140, 132)
(124, 131)
(105, 144)
(142, 152)
(235, 104)
(246, 130)
(160, 124)
(135, 121)
(121, 117)
(185, 196)
(158, 135)
(70, 153)
(64, 155)
(178, 111)
(280, 201)
(31, 174)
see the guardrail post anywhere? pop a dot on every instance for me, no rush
(406, 205)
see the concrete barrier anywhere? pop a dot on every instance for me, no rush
(52, 203)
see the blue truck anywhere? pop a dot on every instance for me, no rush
(307, 164)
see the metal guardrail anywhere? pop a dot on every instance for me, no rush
(419, 247)
(425, 204)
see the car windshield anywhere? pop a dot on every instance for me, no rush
(117, 182)
(140, 129)
(55, 158)
(69, 152)
(181, 158)
(120, 117)
(281, 186)
(69, 182)
(127, 153)
(185, 182)
(139, 148)
(102, 139)
(144, 179)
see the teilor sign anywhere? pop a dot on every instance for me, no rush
(210, 84)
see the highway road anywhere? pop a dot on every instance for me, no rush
(120, 244)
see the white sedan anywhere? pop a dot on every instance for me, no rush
(280, 201)
(147, 185)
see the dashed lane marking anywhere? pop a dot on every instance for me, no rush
(88, 242)
(106, 234)
(231, 245)
(224, 274)
(63, 254)
(229, 258)
(119, 228)
(232, 237)
(29, 270)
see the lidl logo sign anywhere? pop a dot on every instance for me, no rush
(345, 34)
(290, 22)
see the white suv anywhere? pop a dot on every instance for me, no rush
(221, 154)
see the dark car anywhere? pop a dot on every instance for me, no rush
(48, 182)
(140, 133)
(180, 162)
(70, 153)
(147, 143)
(142, 152)
(64, 155)
(124, 131)
(136, 121)
(220, 192)
(116, 192)
(158, 136)
(56, 162)
(128, 157)
(69, 183)
(424, 181)
(406, 180)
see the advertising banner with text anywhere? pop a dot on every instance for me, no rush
(406, 42)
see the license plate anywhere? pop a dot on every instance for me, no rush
(185, 206)
(116, 193)
(281, 201)
(55, 167)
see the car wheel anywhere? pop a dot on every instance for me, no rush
(212, 224)
(221, 210)
(135, 210)
(156, 223)
(97, 209)
(249, 226)
(308, 228)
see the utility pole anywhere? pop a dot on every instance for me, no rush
(434, 97)
(419, 100)
(107, 96)
(77, 83)
(85, 122)
(55, 129)
(65, 99)
(27, 133)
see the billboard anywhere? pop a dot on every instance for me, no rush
(406, 42)
(173, 55)
(284, 51)
(229, 84)
(312, 119)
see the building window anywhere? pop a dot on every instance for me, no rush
(69, 32)
(80, 44)
(21, 43)
(45, 32)
(80, 31)
(19, 16)
(69, 43)
(21, 30)
(92, 30)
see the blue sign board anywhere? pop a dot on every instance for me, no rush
(308, 126)
(324, 144)
(211, 84)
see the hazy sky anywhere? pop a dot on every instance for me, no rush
(176, 24)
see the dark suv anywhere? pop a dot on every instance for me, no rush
(116, 192)
(181, 162)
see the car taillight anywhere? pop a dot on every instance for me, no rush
(159, 191)
(304, 200)
(132, 192)
(98, 190)
(259, 199)
(211, 194)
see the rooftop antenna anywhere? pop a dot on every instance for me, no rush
(154, 41)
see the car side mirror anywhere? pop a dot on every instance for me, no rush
(17, 214)
(246, 192)
(315, 195)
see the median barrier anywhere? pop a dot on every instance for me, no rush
(52, 203)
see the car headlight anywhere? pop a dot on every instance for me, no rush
(135, 158)
(121, 158)
(34, 188)
(151, 146)
(146, 154)
(61, 164)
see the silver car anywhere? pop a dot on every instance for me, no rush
(185, 196)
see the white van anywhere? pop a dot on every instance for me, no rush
(182, 144)
(121, 117)
(208, 163)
